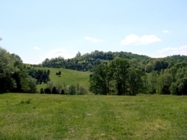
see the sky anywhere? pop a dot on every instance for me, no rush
(40, 29)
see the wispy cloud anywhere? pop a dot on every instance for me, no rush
(93, 39)
(165, 31)
(173, 50)
(58, 52)
(37, 48)
(139, 40)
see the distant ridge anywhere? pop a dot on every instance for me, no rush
(88, 61)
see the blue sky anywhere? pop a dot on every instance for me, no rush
(40, 29)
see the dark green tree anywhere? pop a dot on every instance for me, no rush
(182, 86)
(54, 91)
(47, 90)
(99, 80)
(135, 83)
(62, 92)
(13, 74)
(153, 82)
(164, 83)
(118, 71)
(41, 90)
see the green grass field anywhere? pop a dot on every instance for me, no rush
(67, 77)
(36, 116)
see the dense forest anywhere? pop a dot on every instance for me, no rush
(120, 77)
(114, 73)
(14, 76)
(88, 61)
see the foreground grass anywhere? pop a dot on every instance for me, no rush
(34, 116)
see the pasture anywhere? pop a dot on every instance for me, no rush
(92, 117)
(67, 77)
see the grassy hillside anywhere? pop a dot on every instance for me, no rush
(67, 77)
(36, 116)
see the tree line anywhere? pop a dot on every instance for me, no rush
(88, 61)
(120, 77)
(39, 75)
(55, 88)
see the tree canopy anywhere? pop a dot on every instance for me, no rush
(118, 77)
(13, 74)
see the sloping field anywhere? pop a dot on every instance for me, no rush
(36, 116)
(67, 77)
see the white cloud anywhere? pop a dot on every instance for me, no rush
(37, 48)
(136, 40)
(168, 49)
(58, 52)
(93, 39)
(173, 51)
(165, 31)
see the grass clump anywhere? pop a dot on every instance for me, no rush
(26, 101)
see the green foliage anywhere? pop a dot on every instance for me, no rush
(39, 75)
(54, 91)
(116, 77)
(118, 71)
(164, 82)
(169, 81)
(81, 90)
(13, 74)
(72, 90)
(149, 68)
(181, 86)
(41, 90)
(31, 85)
(99, 80)
(87, 61)
(47, 90)
(56, 88)
(135, 82)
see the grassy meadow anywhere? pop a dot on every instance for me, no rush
(36, 116)
(67, 77)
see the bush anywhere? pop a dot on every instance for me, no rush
(47, 90)
(54, 91)
(82, 90)
(72, 90)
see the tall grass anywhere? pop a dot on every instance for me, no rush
(35, 116)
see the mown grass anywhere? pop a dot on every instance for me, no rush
(35, 116)
(68, 77)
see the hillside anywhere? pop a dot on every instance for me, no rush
(67, 77)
